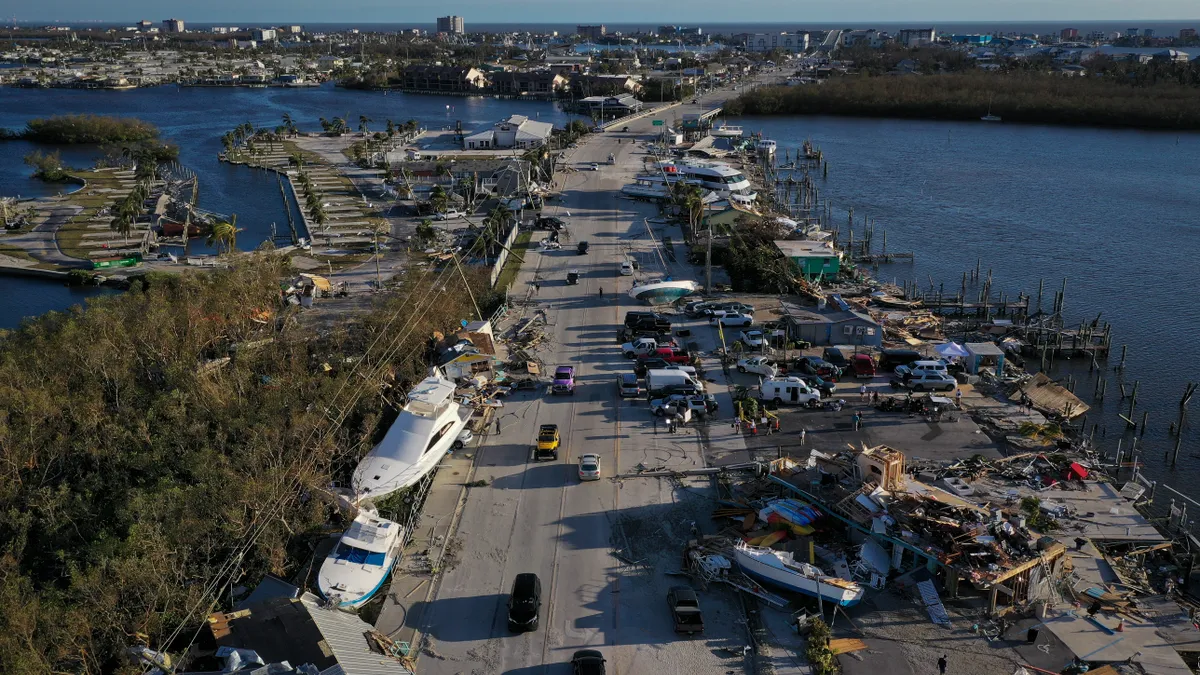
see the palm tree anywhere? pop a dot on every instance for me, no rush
(324, 125)
(438, 199)
(391, 128)
(224, 235)
(363, 121)
(288, 123)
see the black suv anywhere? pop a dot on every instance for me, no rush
(587, 662)
(524, 602)
(635, 317)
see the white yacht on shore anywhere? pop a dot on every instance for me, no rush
(360, 562)
(781, 570)
(719, 177)
(424, 431)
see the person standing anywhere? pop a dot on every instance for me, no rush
(803, 434)
(958, 398)
(857, 419)
(942, 665)
(862, 392)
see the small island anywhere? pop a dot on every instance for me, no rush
(88, 129)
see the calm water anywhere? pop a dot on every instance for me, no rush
(21, 298)
(1116, 213)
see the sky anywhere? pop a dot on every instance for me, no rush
(418, 12)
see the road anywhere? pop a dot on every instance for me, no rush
(40, 240)
(537, 517)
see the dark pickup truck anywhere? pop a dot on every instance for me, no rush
(685, 608)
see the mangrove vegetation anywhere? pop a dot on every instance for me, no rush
(164, 446)
(1096, 99)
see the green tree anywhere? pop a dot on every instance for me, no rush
(224, 235)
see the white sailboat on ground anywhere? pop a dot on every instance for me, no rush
(424, 431)
(661, 290)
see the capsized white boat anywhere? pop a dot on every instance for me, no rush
(662, 291)
(781, 570)
(356, 568)
(421, 435)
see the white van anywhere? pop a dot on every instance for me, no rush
(626, 269)
(787, 391)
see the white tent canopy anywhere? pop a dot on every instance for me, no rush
(951, 350)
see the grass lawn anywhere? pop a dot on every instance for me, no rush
(71, 233)
(513, 265)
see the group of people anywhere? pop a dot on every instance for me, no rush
(768, 425)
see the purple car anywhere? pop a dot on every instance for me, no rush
(564, 380)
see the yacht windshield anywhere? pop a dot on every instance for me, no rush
(358, 556)
(438, 436)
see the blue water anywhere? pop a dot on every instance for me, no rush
(21, 298)
(1115, 212)
(196, 118)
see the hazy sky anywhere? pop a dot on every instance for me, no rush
(611, 11)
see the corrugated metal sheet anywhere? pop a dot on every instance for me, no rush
(1048, 395)
(345, 634)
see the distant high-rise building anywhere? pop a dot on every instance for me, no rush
(1070, 34)
(1149, 32)
(1187, 34)
(295, 30)
(173, 26)
(145, 25)
(592, 32)
(915, 37)
(1131, 32)
(264, 34)
(450, 24)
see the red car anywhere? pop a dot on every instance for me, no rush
(863, 365)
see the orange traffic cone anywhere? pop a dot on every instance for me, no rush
(1121, 626)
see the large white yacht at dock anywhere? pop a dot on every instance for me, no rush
(424, 431)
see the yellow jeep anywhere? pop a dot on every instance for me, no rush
(547, 442)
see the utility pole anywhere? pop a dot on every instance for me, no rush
(708, 262)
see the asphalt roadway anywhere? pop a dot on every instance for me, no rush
(538, 517)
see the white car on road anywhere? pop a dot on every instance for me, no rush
(450, 215)
(759, 365)
(593, 167)
(751, 338)
(742, 320)
(589, 467)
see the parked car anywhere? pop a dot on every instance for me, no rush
(589, 467)
(582, 249)
(593, 167)
(814, 365)
(863, 365)
(449, 215)
(547, 442)
(587, 662)
(825, 387)
(890, 358)
(551, 223)
(927, 382)
(719, 308)
(705, 404)
(643, 366)
(837, 357)
(626, 268)
(752, 338)
(463, 438)
(524, 603)
(696, 308)
(732, 320)
(628, 386)
(685, 609)
(572, 277)
(760, 365)
(921, 367)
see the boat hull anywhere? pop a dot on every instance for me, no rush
(354, 599)
(796, 582)
(663, 292)
(399, 478)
